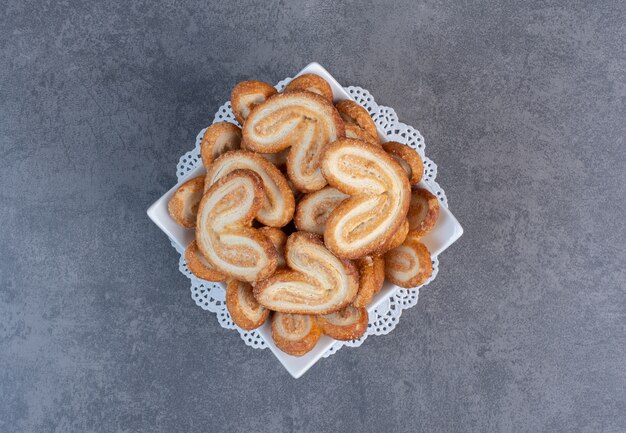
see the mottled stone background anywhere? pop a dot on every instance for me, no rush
(522, 104)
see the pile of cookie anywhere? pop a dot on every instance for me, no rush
(304, 213)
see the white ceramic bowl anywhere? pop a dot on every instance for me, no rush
(446, 231)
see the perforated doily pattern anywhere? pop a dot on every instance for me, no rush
(210, 296)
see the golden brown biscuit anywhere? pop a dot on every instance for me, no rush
(199, 266)
(313, 209)
(409, 265)
(352, 112)
(247, 95)
(379, 197)
(278, 201)
(371, 279)
(311, 83)
(423, 211)
(224, 230)
(183, 206)
(302, 121)
(316, 282)
(245, 311)
(278, 238)
(408, 158)
(219, 138)
(295, 334)
(355, 131)
(347, 324)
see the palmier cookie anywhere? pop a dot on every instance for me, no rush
(183, 206)
(408, 158)
(278, 238)
(355, 131)
(311, 83)
(303, 121)
(347, 324)
(313, 209)
(397, 239)
(247, 95)
(224, 230)
(371, 279)
(379, 197)
(278, 202)
(316, 282)
(219, 138)
(243, 308)
(199, 266)
(352, 112)
(408, 265)
(423, 211)
(295, 334)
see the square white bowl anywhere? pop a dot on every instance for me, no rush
(445, 232)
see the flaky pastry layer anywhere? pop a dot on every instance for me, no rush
(224, 230)
(397, 239)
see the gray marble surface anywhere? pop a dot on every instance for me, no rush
(523, 107)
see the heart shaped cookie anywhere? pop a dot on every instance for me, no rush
(224, 230)
(316, 281)
(379, 197)
(278, 201)
(303, 121)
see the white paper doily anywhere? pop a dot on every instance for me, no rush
(210, 296)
